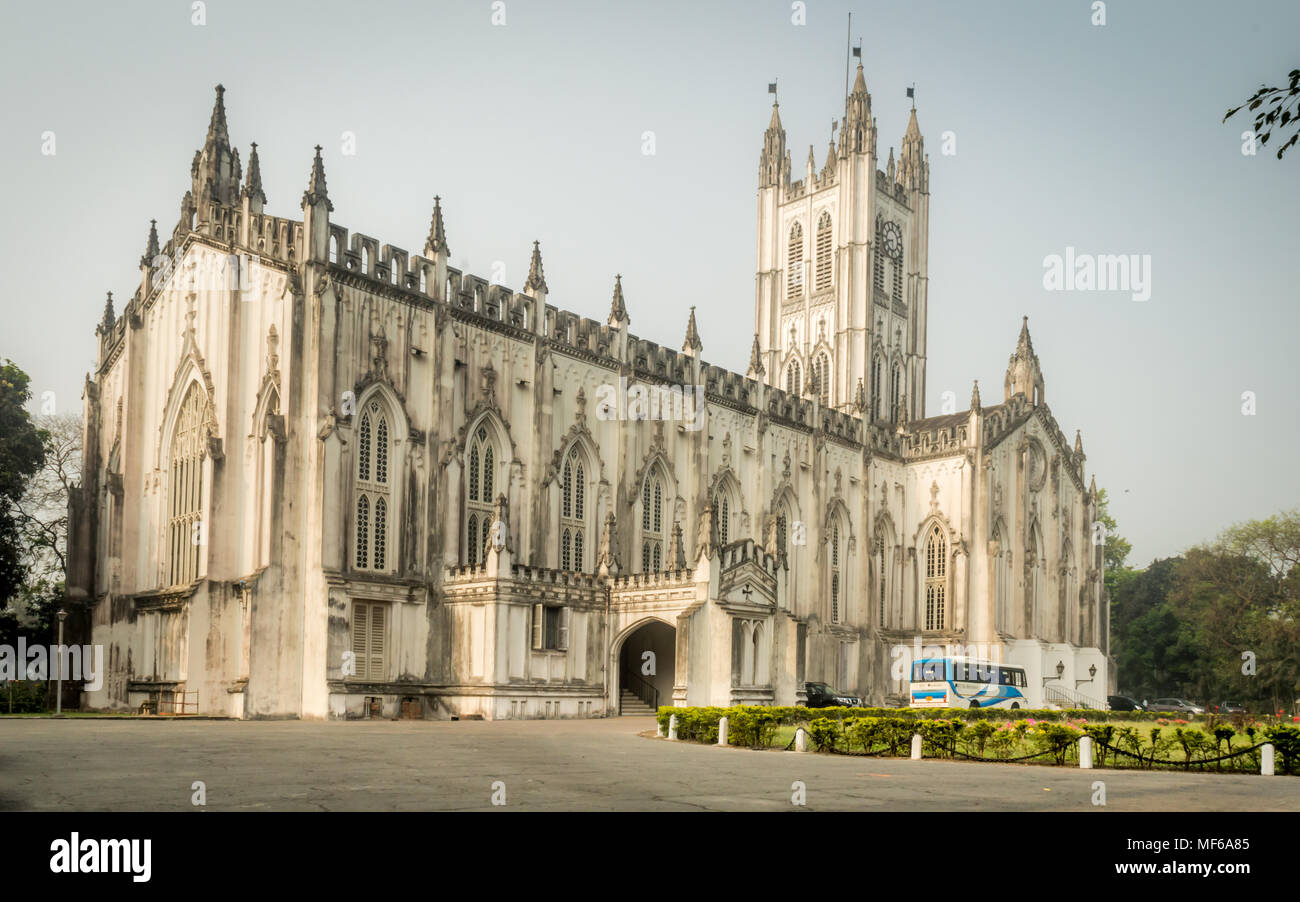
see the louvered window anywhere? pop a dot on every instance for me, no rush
(835, 572)
(793, 378)
(369, 640)
(794, 263)
(550, 628)
(824, 252)
(722, 515)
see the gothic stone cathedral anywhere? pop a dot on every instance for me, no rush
(342, 480)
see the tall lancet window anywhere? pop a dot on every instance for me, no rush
(722, 516)
(898, 272)
(877, 387)
(936, 579)
(794, 264)
(793, 378)
(824, 252)
(573, 503)
(374, 488)
(652, 523)
(878, 260)
(480, 483)
(896, 391)
(836, 579)
(186, 488)
(882, 585)
(821, 378)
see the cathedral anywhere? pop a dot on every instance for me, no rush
(325, 477)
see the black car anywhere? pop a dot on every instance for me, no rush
(1124, 703)
(822, 695)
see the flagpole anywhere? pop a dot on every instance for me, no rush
(848, 39)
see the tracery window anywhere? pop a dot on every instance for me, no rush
(373, 489)
(480, 483)
(835, 572)
(793, 378)
(936, 579)
(652, 529)
(573, 522)
(186, 488)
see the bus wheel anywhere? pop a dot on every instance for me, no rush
(1015, 705)
(974, 704)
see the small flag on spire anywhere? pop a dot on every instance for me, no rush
(857, 51)
(911, 92)
(771, 87)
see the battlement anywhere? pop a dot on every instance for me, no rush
(659, 579)
(744, 551)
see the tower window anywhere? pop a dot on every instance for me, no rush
(480, 478)
(186, 488)
(824, 252)
(652, 532)
(794, 263)
(835, 572)
(793, 378)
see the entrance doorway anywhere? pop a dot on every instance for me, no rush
(645, 672)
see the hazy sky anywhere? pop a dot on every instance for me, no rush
(1105, 139)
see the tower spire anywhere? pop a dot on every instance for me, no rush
(253, 183)
(536, 278)
(217, 123)
(617, 308)
(106, 324)
(215, 171)
(756, 370)
(151, 249)
(693, 345)
(1024, 376)
(773, 163)
(975, 396)
(436, 243)
(316, 188)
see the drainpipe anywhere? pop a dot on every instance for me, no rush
(604, 665)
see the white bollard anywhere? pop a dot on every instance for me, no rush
(1085, 752)
(800, 740)
(659, 729)
(672, 727)
(916, 746)
(1266, 760)
(722, 731)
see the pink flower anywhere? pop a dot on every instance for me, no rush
(1031, 721)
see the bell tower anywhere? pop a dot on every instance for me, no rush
(840, 306)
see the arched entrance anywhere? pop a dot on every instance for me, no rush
(645, 668)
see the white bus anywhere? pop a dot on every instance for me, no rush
(967, 683)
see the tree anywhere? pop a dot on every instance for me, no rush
(22, 453)
(42, 512)
(1116, 551)
(1242, 595)
(1279, 110)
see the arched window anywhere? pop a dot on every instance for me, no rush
(573, 522)
(652, 523)
(186, 488)
(373, 488)
(936, 579)
(480, 483)
(794, 263)
(782, 534)
(877, 376)
(756, 656)
(824, 252)
(835, 572)
(722, 515)
(1000, 557)
(793, 378)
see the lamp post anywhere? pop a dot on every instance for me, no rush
(1092, 675)
(59, 659)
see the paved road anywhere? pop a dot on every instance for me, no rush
(602, 765)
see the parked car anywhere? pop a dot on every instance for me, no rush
(1231, 708)
(1124, 703)
(822, 695)
(1175, 706)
